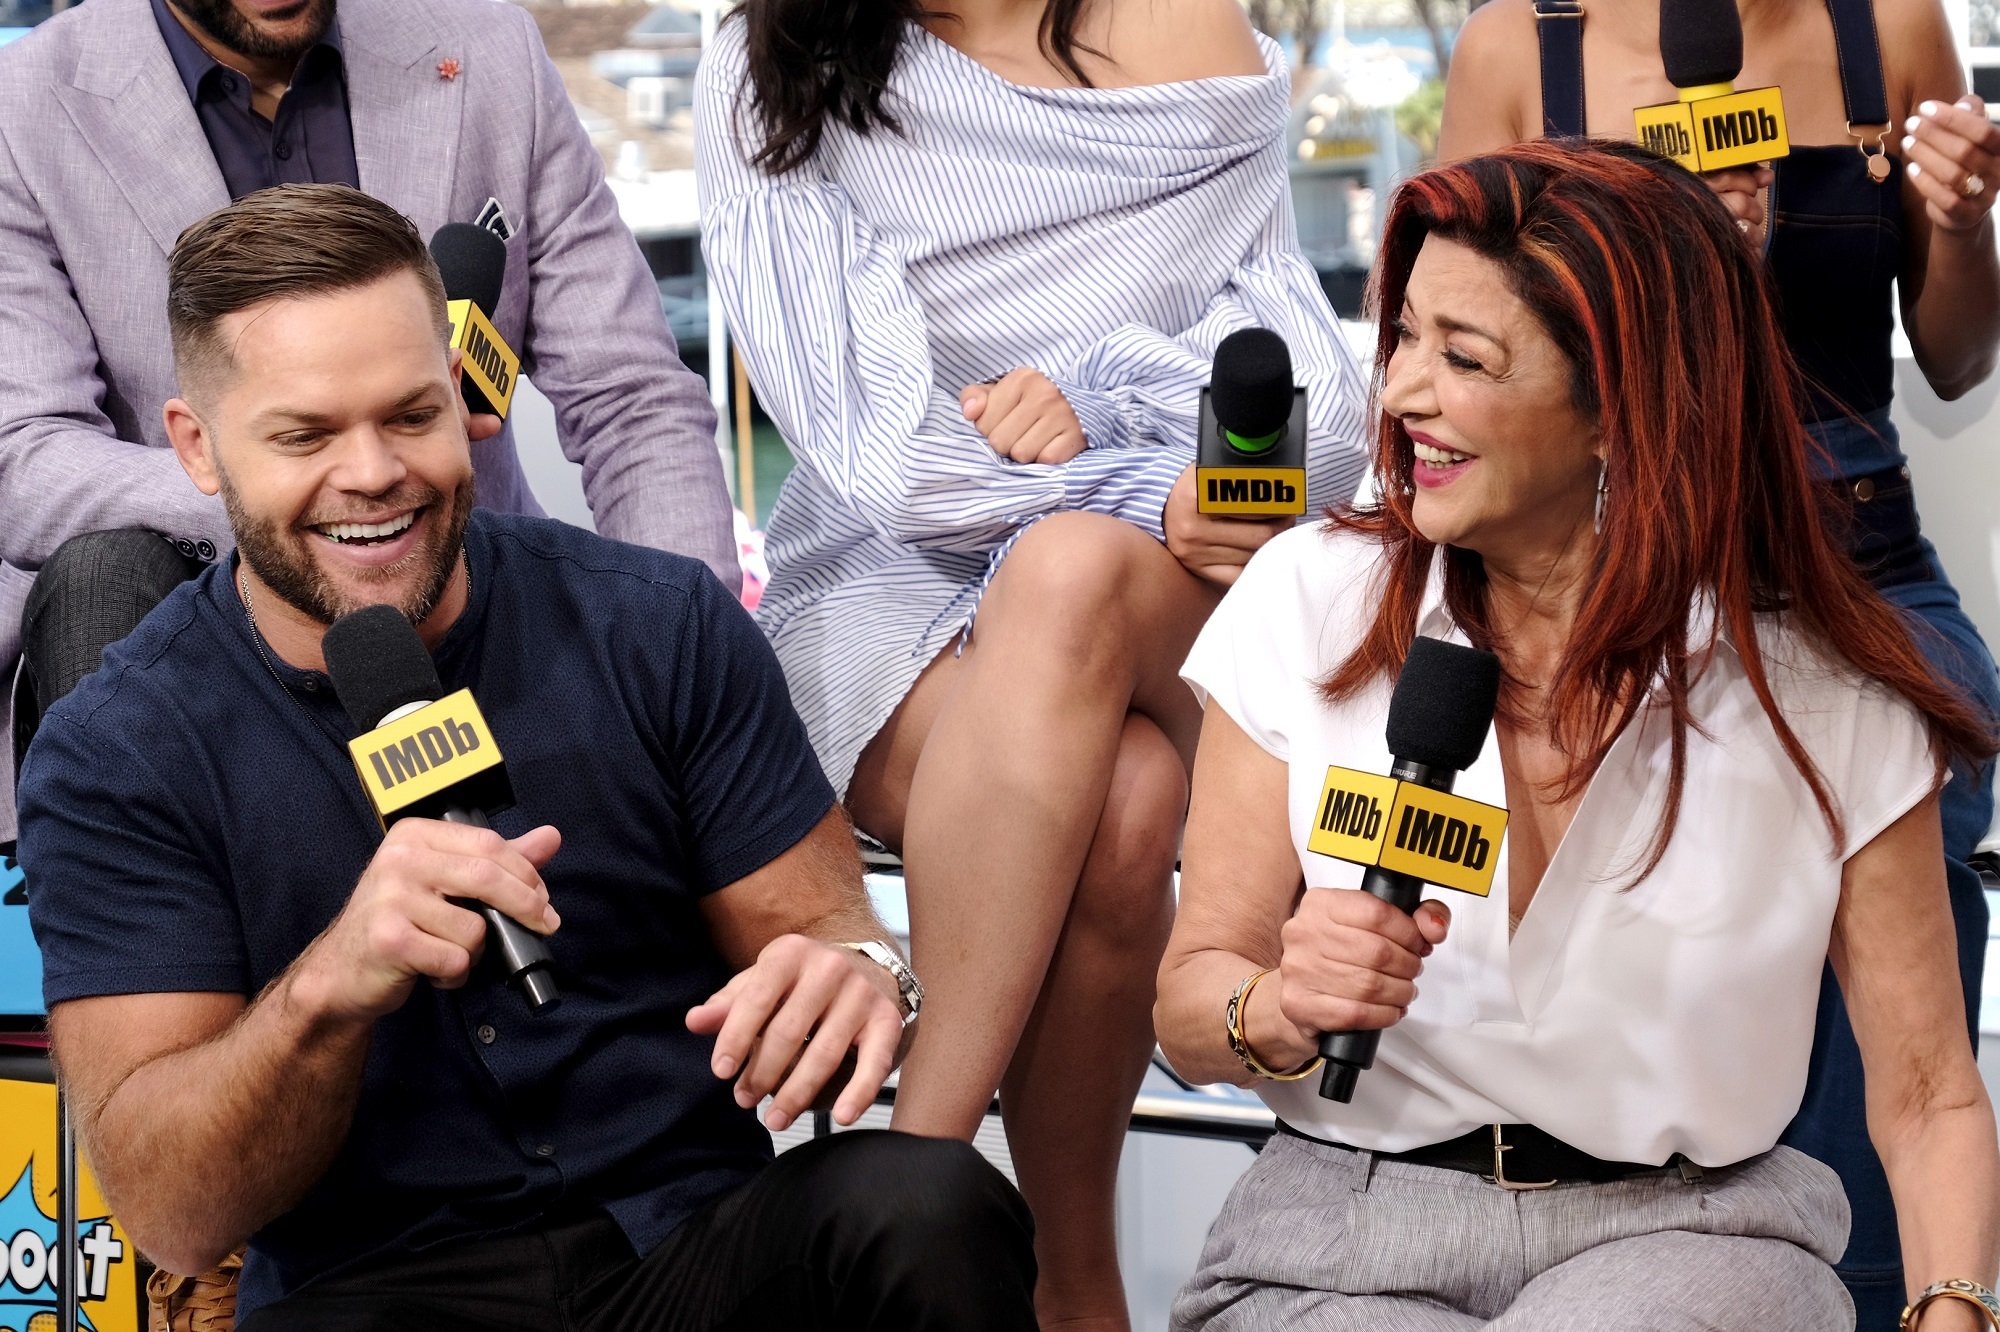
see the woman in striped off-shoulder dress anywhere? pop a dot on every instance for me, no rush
(978, 267)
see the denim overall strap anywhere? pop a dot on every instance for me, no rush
(1559, 31)
(1860, 62)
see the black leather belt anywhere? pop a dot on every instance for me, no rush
(1883, 536)
(1514, 1156)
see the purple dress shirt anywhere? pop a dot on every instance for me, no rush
(309, 143)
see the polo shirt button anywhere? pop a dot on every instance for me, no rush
(486, 1034)
(284, 151)
(312, 684)
(545, 1150)
(227, 84)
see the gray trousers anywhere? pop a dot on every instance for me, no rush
(1320, 1239)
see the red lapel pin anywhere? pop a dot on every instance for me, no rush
(448, 68)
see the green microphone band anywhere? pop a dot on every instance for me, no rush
(1252, 444)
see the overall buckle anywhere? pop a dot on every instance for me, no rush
(1878, 161)
(1499, 1175)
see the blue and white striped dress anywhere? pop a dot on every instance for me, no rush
(1109, 238)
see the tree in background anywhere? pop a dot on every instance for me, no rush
(1441, 20)
(1421, 115)
(1305, 21)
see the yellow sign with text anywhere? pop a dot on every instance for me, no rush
(1265, 492)
(1435, 836)
(1668, 129)
(1353, 815)
(1443, 839)
(107, 1286)
(413, 758)
(1717, 131)
(491, 367)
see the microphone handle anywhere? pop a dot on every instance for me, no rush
(1348, 1052)
(524, 955)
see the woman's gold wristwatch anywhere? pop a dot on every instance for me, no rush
(1956, 1288)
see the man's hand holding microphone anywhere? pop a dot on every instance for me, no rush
(444, 885)
(806, 1020)
(404, 923)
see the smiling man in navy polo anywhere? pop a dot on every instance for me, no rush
(273, 1020)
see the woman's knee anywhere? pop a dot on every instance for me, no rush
(1082, 582)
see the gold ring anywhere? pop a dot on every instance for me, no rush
(1973, 187)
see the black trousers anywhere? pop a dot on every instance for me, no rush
(864, 1229)
(90, 593)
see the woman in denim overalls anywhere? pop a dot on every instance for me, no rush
(1890, 179)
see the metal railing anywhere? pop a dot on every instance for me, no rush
(1217, 1114)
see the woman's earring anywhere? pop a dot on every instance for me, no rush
(1597, 517)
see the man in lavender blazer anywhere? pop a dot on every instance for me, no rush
(456, 115)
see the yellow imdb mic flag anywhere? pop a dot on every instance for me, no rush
(424, 753)
(1711, 129)
(1441, 838)
(1710, 126)
(490, 365)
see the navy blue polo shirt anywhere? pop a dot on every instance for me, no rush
(190, 821)
(311, 139)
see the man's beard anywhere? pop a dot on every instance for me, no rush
(221, 21)
(275, 553)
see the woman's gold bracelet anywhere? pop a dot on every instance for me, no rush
(1957, 1288)
(1240, 1043)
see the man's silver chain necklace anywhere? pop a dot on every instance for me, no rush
(264, 655)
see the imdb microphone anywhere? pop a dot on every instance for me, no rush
(473, 263)
(423, 753)
(1250, 458)
(1712, 126)
(1408, 828)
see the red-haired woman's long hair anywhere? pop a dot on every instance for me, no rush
(1658, 305)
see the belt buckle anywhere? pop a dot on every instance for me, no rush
(1499, 1175)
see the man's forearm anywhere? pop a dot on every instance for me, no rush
(199, 1148)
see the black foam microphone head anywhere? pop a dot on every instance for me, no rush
(1251, 387)
(1443, 704)
(378, 664)
(473, 263)
(1701, 42)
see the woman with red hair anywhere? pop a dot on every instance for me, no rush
(1720, 752)
(1883, 206)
